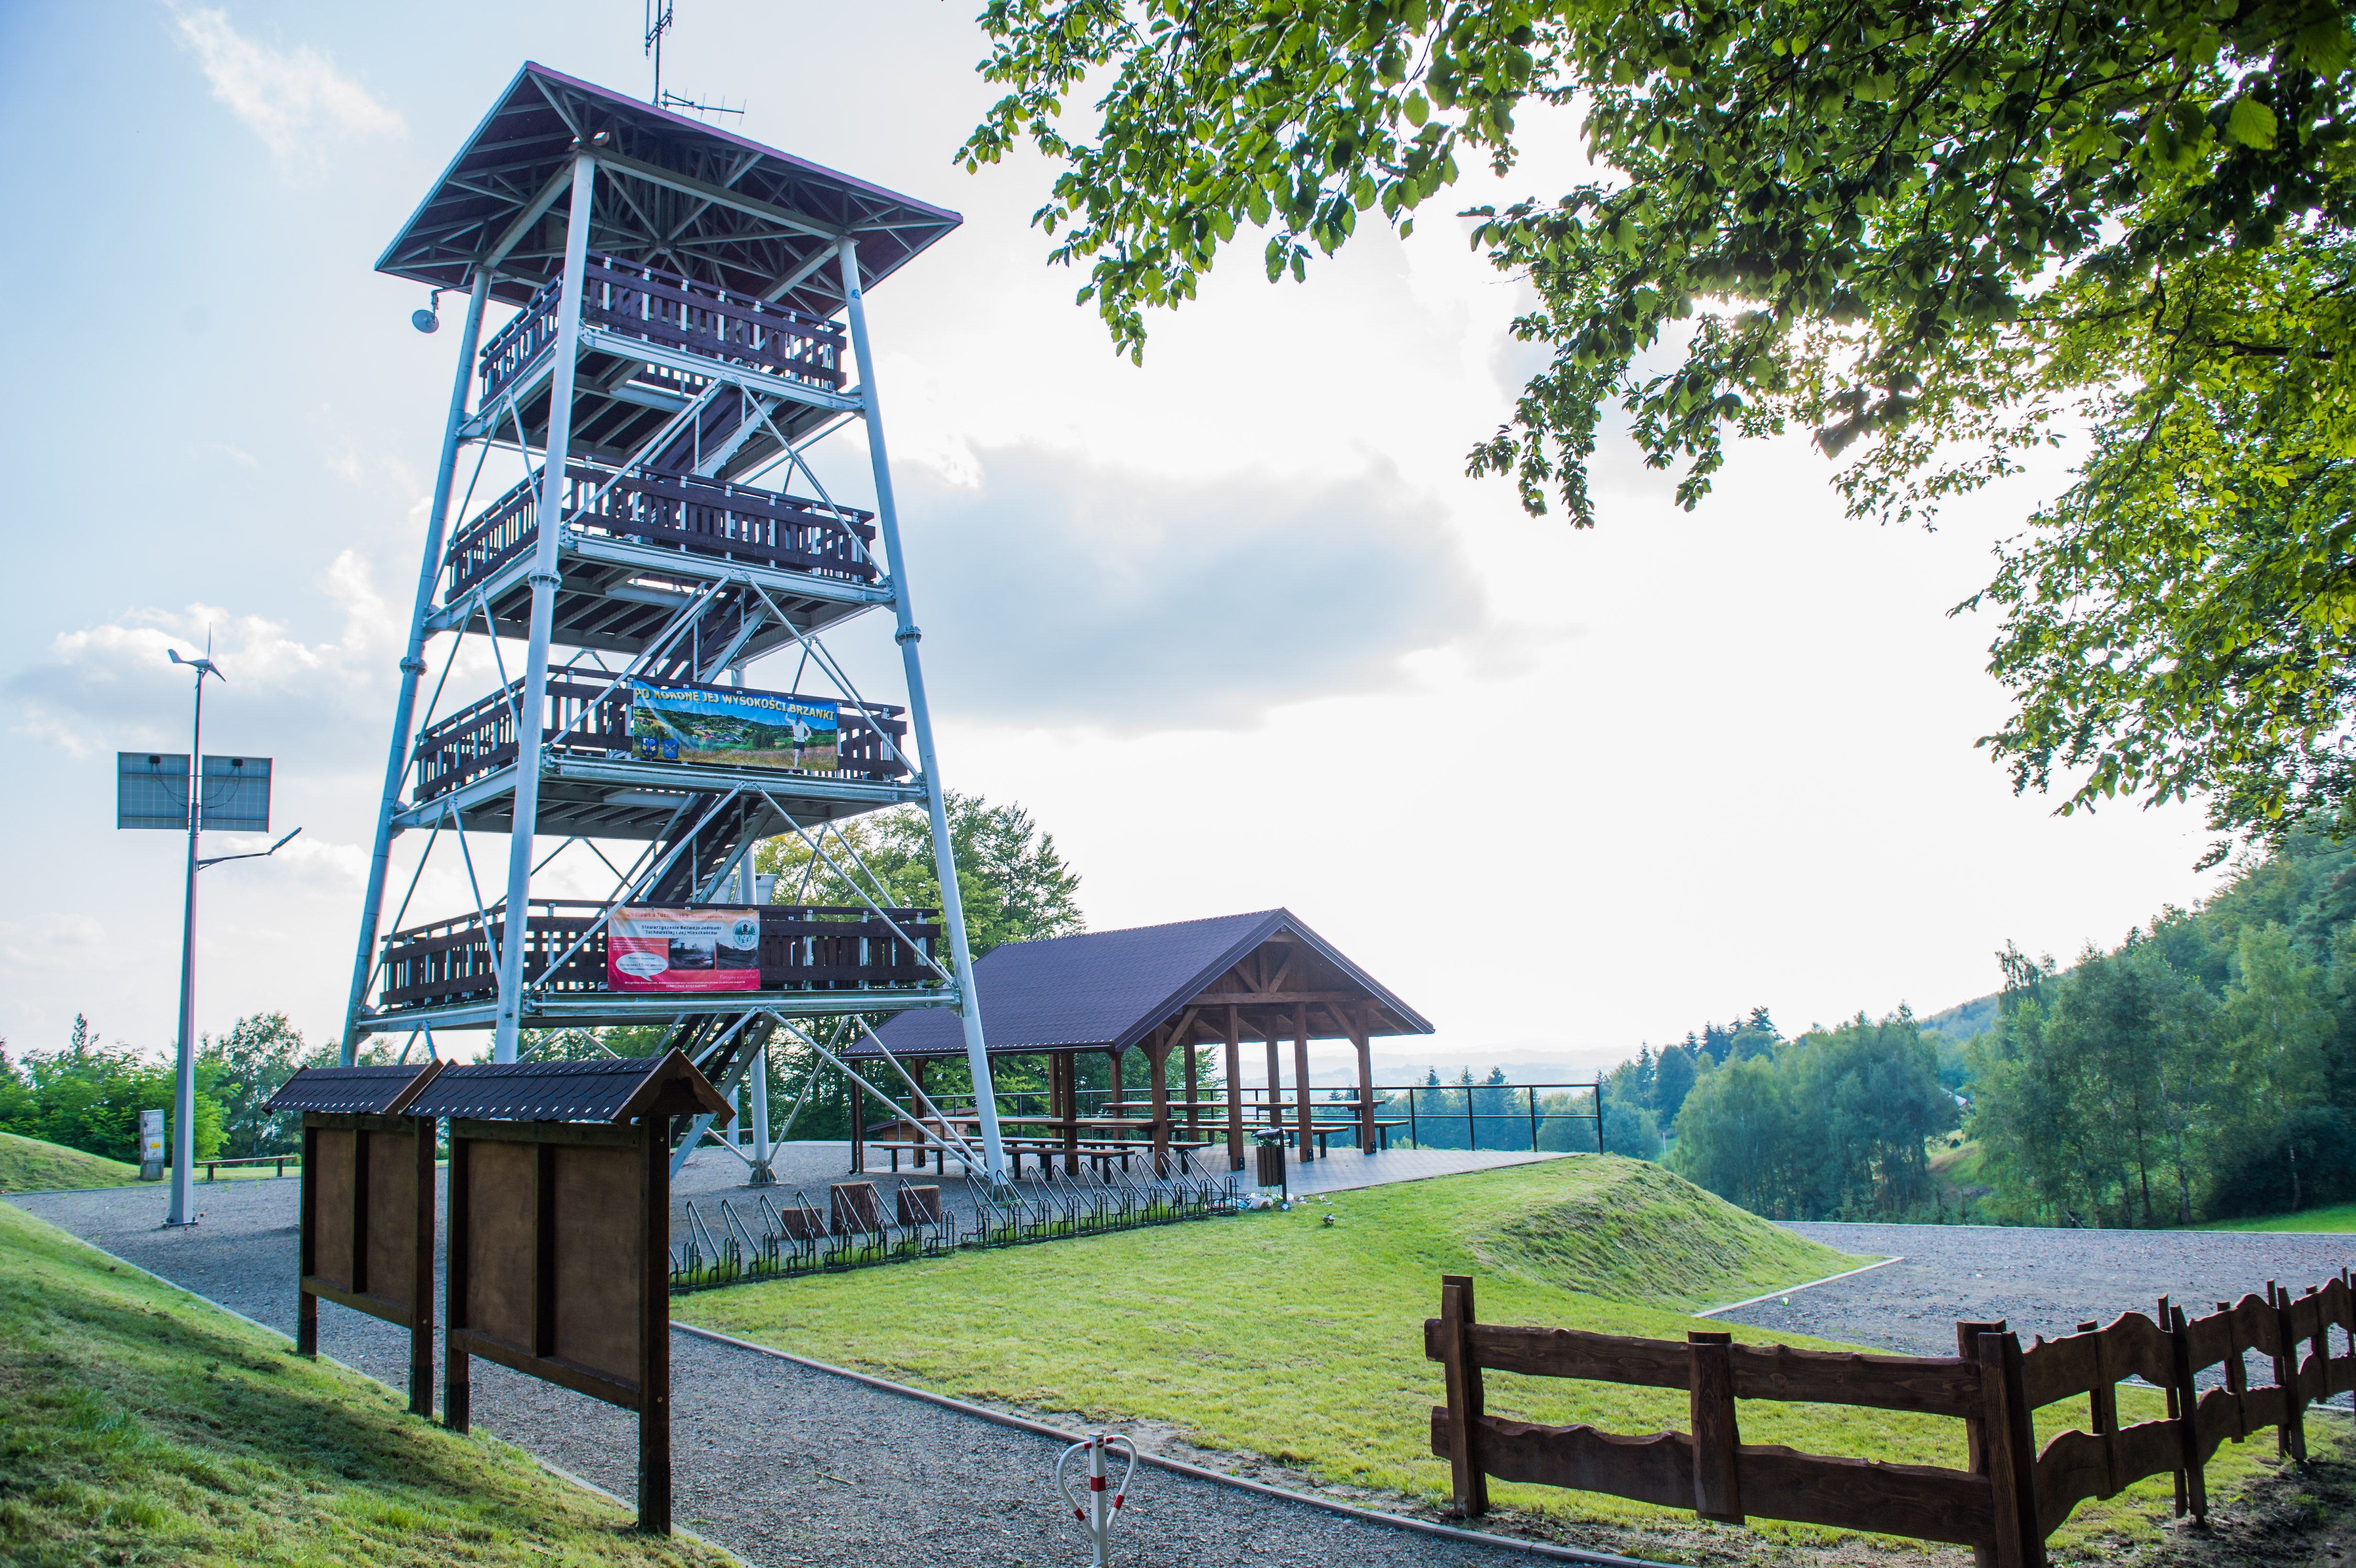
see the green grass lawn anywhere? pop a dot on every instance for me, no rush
(2342, 1218)
(28, 1164)
(1279, 1335)
(143, 1425)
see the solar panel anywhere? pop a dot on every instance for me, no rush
(152, 791)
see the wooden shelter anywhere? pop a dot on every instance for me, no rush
(1164, 989)
(367, 1228)
(560, 1233)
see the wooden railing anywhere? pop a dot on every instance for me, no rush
(662, 306)
(804, 947)
(701, 516)
(2005, 1505)
(591, 719)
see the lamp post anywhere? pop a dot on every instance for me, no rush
(184, 1098)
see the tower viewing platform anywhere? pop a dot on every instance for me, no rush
(631, 511)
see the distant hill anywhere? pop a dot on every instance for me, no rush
(1963, 1020)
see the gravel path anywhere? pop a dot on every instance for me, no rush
(779, 1464)
(2041, 1282)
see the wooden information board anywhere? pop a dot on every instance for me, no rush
(368, 1205)
(559, 1234)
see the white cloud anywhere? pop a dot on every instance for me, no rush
(109, 685)
(282, 97)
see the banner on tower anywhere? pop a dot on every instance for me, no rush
(733, 729)
(683, 950)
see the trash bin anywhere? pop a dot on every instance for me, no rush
(1272, 1174)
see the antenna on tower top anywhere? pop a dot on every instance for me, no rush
(657, 24)
(659, 20)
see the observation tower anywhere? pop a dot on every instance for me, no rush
(636, 522)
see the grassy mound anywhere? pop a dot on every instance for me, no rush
(1647, 1236)
(28, 1164)
(143, 1426)
(1279, 1339)
(1281, 1336)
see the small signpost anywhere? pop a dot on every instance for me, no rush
(559, 1263)
(368, 1205)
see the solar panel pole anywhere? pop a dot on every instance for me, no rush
(887, 521)
(184, 1094)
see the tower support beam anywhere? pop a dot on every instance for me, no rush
(413, 665)
(887, 522)
(533, 714)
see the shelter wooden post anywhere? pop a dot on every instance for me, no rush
(1275, 1078)
(1114, 1058)
(858, 1106)
(916, 1073)
(1070, 1063)
(1361, 1023)
(1157, 1059)
(1235, 1092)
(1302, 1106)
(1193, 1093)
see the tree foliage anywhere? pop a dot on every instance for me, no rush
(1015, 883)
(1834, 1124)
(1937, 235)
(87, 1095)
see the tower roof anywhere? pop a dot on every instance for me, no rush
(671, 191)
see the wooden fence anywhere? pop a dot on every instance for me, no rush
(2004, 1505)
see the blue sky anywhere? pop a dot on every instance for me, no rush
(1233, 626)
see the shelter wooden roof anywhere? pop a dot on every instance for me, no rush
(1108, 990)
(671, 191)
(618, 1090)
(377, 1091)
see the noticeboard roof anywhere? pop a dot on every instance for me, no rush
(673, 192)
(618, 1090)
(377, 1091)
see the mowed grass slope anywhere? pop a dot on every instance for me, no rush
(2341, 1217)
(139, 1425)
(29, 1165)
(1279, 1335)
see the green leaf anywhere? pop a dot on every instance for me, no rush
(2251, 124)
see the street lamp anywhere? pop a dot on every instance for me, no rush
(183, 1114)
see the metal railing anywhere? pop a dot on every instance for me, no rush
(804, 947)
(1503, 1118)
(678, 511)
(664, 308)
(591, 719)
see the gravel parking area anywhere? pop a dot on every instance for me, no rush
(2041, 1282)
(778, 1462)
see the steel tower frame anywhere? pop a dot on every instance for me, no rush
(718, 244)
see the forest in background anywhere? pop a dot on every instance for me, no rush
(2204, 1069)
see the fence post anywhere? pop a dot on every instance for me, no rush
(2011, 1448)
(2290, 1438)
(1464, 1401)
(1533, 1119)
(2187, 1398)
(2163, 1319)
(1709, 1383)
(1975, 1428)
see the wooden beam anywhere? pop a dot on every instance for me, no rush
(1157, 1058)
(1276, 998)
(1193, 1116)
(1300, 1077)
(1361, 1038)
(1235, 1092)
